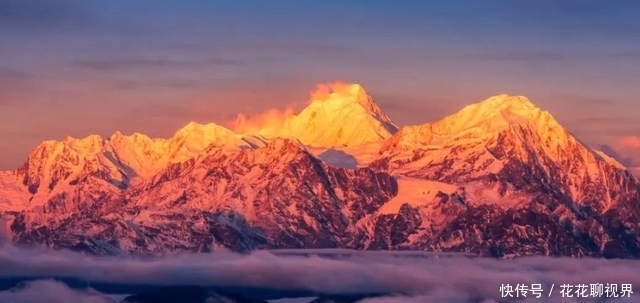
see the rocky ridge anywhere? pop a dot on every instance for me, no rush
(499, 178)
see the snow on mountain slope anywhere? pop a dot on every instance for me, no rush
(418, 192)
(58, 170)
(145, 156)
(278, 195)
(489, 138)
(500, 177)
(338, 114)
(266, 182)
(475, 122)
(415, 192)
(194, 138)
(609, 159)
(14, 196)
(348, 156)
(54, 167)
(510, 161)
(137, 153)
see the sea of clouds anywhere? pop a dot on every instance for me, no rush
(442, 280)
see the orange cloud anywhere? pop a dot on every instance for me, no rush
(627, 152)
(272, 121)
(630, 142)
(266, 123)
(337, 88)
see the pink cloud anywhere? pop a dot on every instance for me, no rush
(630, 142)
(627, 152)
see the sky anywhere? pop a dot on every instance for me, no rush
(94, 67)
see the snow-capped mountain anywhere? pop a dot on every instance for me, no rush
(500, 177)
(338, 114)
(508, 167)
(275, 196)
(56, 169)
(343, 115)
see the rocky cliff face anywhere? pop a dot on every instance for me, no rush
(524, 186)
(499, 178)
(277, 196)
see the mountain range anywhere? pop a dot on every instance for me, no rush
(500, 178)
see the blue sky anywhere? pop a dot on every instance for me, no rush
(82, 67)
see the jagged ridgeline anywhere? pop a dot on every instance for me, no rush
(501, 177)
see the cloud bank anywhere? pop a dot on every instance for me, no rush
(408, 279)
(46, 291)
(627, 152)
(268, 123)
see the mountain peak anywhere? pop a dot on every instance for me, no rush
(340, 114)
(339, 92)
(493, 113)
(195, 126)
(91, 143)
(505, 102)
(208, 132)
(482, 119)
(194, 138)
(337, 96)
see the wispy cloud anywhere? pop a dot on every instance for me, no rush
(13, 83)
(536, 57)
(137, 63)
(626, 151)
(614, 153)
(296, 46)
(596, 120)
(542, 57)
(596, 101)
(143, 84)
(187, 110)
(51, 292)
(9, 74)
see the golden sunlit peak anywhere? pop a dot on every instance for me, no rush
(338, 114)
(68, 139)
(91, 142)
(87, 139)
(515, 104)
(199, 130)
(117, 134)
(508, 100)
(338, 90)
(192, 125)
(195, 126)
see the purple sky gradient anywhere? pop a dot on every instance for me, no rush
(82, 67)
